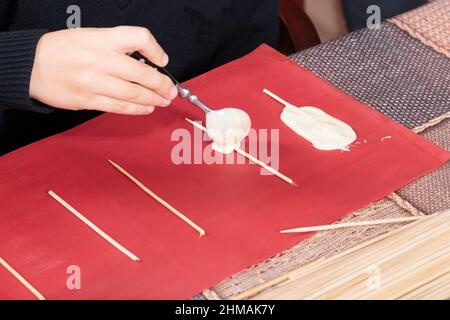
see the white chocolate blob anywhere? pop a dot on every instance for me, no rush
(318, 127)
(227, 128)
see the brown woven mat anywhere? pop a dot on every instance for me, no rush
(430, 24)
(387, 69)
(431, 193)
(324, 244)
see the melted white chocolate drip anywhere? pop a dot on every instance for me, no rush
(227, 128)
(322, 130)
(316, 126)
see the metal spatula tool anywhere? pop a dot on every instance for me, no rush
(184, 93)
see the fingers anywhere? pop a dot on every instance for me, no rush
(130, 39)
(107, 104)
(91, 80)
(119, 89)
(129, 69)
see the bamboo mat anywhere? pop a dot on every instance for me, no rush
(412, 262)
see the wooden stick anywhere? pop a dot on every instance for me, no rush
(275, 281)
(102, 234)
(158, 199)
(406, 258)
(299, 271)
(21, 279)
(393, 266)
(298, 281)
(274, 96)
(250, 157)
(433, 286)
(352, 224)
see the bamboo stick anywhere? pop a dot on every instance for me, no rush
(352, 224)
(395, 279)
(357, 263)
(395, 289)
(277, 98)
(438, 289)
(159, 199)
(251, 158)
(355, 270)
(322, 262)
(441, 294)
(394, 273)
(91, 225)
(22, 280)
(276, 281)
(408, 258)
(327, 279)
(435, 286)
(304, 288)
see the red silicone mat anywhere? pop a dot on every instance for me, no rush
(241, 210)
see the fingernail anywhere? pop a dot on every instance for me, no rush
(150, 110)
(173, 93)
(165, 59)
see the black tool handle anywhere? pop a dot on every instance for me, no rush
(136, 55)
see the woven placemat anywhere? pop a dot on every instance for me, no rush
(387, 69)
(323, 244)
(430, 24)
(431, 193)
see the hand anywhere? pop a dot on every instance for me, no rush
(89, 69)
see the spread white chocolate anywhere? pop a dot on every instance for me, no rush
(227, 128)
(316, 126)
(322, 130)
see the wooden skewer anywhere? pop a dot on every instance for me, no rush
(329, 268)
(21, 279)
(250, 157)
(438, 289)
(352, 224)
(321, 261)
(158, 199)
(394, 270)
(411, 277)
(102, 234)
(434, 286)
(274, 96)
(407, 258)
(275, 282)
(389, 246)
